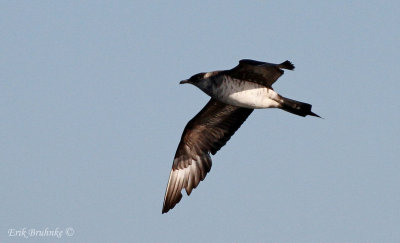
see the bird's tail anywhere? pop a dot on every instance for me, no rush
(297, 107)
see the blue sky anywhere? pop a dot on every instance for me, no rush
(92, 113)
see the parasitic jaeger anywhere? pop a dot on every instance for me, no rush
(234, 93)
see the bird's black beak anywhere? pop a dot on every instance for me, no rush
(184, 81)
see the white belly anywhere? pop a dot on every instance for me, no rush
(247, 95)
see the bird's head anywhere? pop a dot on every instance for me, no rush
(202, 81)
(195, 79)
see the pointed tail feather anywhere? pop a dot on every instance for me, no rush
(297, 107)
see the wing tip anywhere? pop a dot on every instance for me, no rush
(287, 65)
(166, 208)
(170, 204)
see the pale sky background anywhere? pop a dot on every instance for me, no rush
(92, 113)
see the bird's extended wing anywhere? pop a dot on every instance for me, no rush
(206, 133)
(263, 73)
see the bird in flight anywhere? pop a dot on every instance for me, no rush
(234, 93)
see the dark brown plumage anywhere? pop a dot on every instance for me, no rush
(263, 73)
(206, 133)
(234, 94)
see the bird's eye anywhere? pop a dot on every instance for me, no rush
(196, 77)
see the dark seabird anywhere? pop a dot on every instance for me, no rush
(234, 94)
